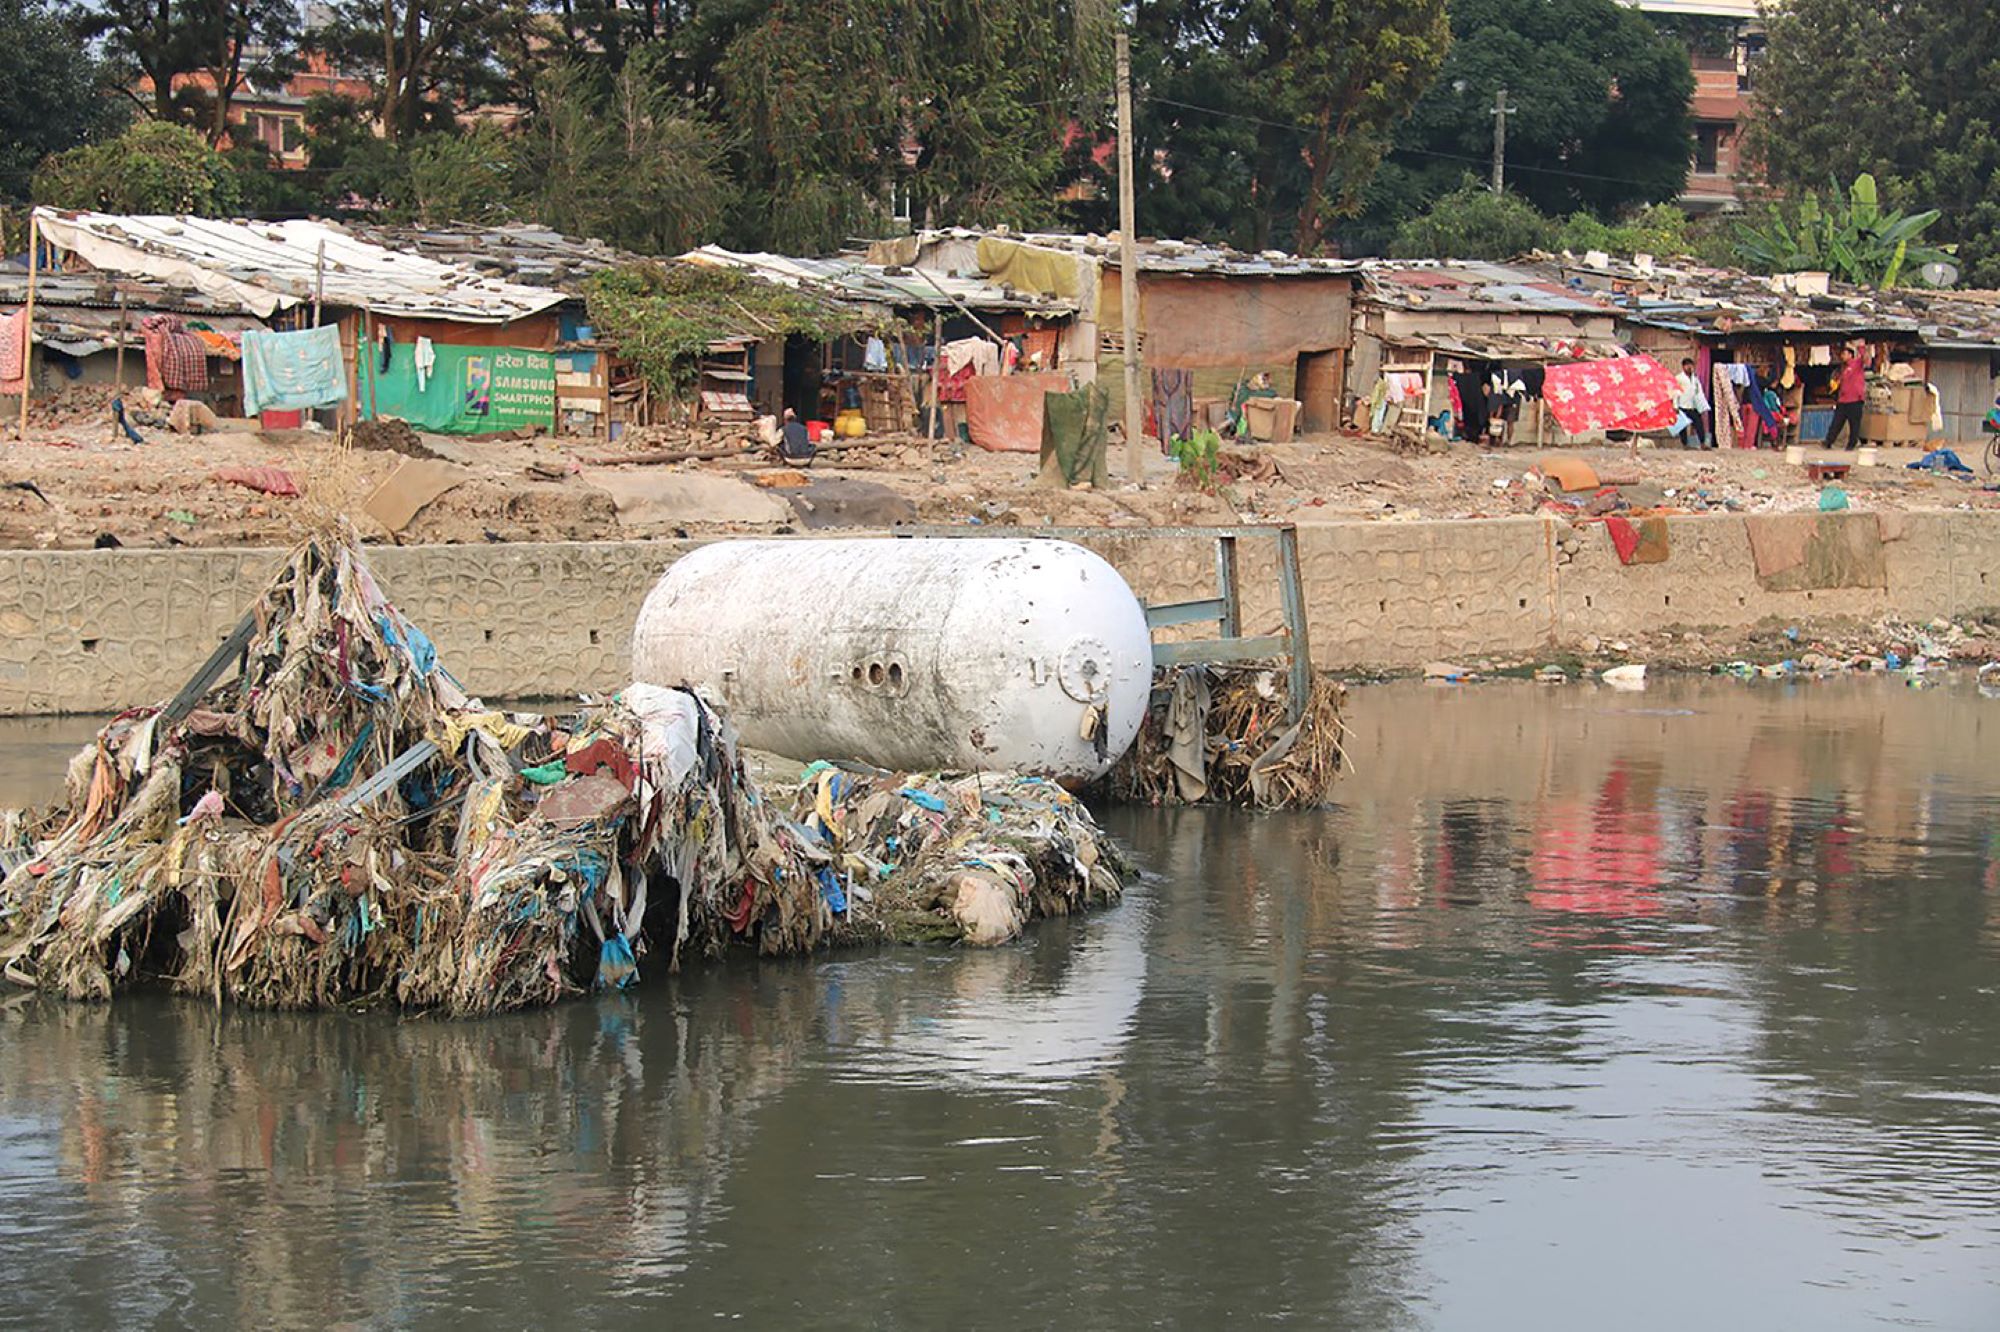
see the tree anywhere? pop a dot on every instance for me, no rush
(153, 167)
(840, 108)
(52, 93)
(1472, 222)
(1904, 92)
(196, 54)
(1299, 100)
(632, 165)
(431, 58)
(1601, 98)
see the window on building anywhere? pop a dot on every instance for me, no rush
(1749, 56)
(1708, 147)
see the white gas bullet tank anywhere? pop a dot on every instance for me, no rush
(911, 654)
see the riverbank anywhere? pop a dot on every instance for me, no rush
(97, 630)
(74, 486)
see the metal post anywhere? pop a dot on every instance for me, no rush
(28, 323)
(1226, 583)
(1128, 268)
(1291, 591)
(1500, 112)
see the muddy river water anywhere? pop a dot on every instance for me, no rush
(1582, 1009)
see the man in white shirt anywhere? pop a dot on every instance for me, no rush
(1691, 398)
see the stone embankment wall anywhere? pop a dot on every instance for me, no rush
(101, 630)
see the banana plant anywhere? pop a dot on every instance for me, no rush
(1849, 234)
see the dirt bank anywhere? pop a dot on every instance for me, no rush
(74, 482)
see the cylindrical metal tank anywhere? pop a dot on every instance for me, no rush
(911, 654)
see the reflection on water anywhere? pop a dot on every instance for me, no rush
(1581, 1010)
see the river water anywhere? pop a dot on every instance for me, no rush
(1581, 1010)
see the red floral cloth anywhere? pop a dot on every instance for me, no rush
(1622, 393)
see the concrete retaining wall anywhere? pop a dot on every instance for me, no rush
(100, 630)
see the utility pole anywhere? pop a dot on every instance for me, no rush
(1500, 113)
(1128, 270)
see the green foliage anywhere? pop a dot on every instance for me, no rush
(664, 316)
(1661, 230)
(1849, 234)
(464, 177)
(264, 189)
(1905, 92)
(153, 167)
(51, 92)
(1196, 456)
(1472, 222)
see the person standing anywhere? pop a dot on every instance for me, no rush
(1691, 398)
(1852, 394)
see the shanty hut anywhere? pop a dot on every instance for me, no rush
(1433, 337)
(1211, 319)
(438, 345)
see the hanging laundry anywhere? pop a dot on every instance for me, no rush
(875, 356)
(14, 351)
(979, 353)
(388, 343)
(1173, 405)
(1405, 386)
(292, 371)
(1725, 406)
(175, 358)
(1622, 393)
(424, 357)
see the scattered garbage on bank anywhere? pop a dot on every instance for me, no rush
(1221, 735)
(323, 817)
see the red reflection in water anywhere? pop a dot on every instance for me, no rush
(1601, 859)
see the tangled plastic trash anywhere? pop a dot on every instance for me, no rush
(324, 817)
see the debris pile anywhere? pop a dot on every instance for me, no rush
(1222, 734)
(337, 822)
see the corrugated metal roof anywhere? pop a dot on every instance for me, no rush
(518, 252)
(1469, 287)
(873, 284)
(1724, 302)
(270, 266)
(1164, 256)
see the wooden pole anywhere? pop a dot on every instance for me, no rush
(28, 323)
(368, 320)
(937, 368)
(319, 282)
(123, 326)
(1128, 268)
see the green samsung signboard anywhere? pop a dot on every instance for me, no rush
(465, 390)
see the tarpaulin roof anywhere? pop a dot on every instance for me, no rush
(271, 266)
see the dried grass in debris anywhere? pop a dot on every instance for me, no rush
(1220, 734)
(329, 819)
